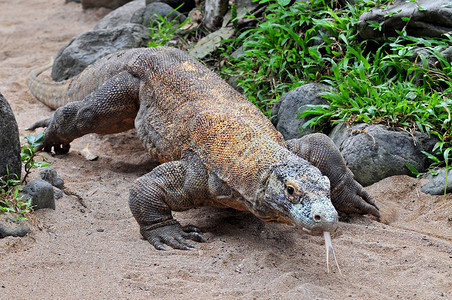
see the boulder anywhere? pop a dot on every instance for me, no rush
(374, 152)
(430, 18)
(88, 47)
(286, 110)
(120, 16)
(9, 142)
(436, 183)
(111, 4)
(431, 58)
(185, 5)
(152, 12)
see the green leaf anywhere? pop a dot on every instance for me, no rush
(283, 2)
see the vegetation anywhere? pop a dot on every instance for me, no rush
(10, 199)
(392, 83)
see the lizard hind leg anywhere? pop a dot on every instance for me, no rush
(152, 198)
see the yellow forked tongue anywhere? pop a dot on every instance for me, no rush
(329, 246)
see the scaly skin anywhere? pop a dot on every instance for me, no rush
(216, 148)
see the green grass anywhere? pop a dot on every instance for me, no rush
(313, 41)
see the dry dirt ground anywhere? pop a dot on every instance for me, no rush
(97, 253)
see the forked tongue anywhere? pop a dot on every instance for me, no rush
(329, 246)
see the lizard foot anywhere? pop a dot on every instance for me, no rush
(173, 235)
(349, 197)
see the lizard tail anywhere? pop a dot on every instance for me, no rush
(50, 93)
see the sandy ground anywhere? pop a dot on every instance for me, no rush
(97, 253)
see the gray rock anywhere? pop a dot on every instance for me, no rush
(289, 106)
(152, 12)
(9, 142)
(214, 13)
(112, 4)
(137, 13)
(88, 47)
(41, 194)
(374, 152)
(122, 15)
(436, 183)
(9, 226)
(51, 176)
(57, 193)
(430, 18)
(211, 42)
(431, 59)
(187, 5)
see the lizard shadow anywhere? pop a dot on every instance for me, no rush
(240, 227)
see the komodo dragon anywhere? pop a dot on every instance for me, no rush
(214, 146)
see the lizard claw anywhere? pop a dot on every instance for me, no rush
(173, 235)
(349, 197)
(51, 139)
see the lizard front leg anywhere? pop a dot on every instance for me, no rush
(110, 109)
(347, 195)
(172, 186)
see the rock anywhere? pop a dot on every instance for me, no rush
(152, 12)
(57, 193)
(50, 175)
(211, 42)
(374, 152)
(214, 13)
(41, 194)
(289, 106)
(9, 142)
(436, 183)
(431, 59)
(136, 12)
(10, 226)
(88, 47)
(430, 18)
(112, 4)
(185, 5)
(122, 15)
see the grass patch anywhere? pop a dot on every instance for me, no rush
(392, 83)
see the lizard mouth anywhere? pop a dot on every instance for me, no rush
(316, 221)
(316, 231)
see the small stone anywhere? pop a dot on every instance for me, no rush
(41, 194)
(50, 175)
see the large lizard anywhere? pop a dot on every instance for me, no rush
(215, 147)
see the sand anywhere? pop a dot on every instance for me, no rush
(96, 252)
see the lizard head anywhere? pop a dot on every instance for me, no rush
(297, 193)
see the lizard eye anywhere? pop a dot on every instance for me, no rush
(290, 190)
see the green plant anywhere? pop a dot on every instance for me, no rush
(292, 46)
(167, 33)
(28, 154)
(10, 199)
(393, 83)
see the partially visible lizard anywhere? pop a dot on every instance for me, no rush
(215, 147)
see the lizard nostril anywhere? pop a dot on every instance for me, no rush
(317, 218)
